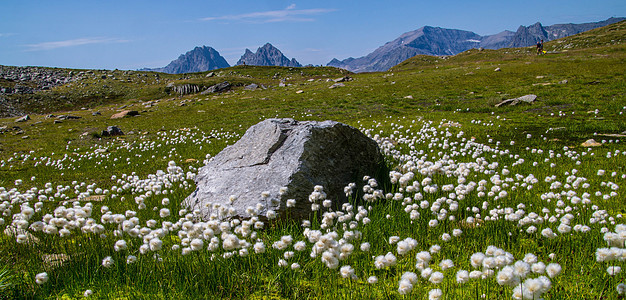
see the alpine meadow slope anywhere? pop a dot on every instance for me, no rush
(478, 201)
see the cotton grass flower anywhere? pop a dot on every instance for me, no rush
(436, 277)
(87, 293)
(434, 294)
(372, 280)
(553, 270)
(120, 245)
(107, 262)
(404, 287)
(613, 270)
(41, 278)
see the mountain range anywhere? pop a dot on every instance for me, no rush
(427, 40)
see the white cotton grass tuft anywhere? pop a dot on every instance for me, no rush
(435, 294)
(41, 278)
(107, 262)
(553, 270)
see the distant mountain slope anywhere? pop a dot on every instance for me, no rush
(268, 55)
(441, 41)
(199, 59)
(527, 36)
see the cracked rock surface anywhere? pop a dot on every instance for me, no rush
(279, 153)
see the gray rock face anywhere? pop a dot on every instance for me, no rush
(267, 55)
(278, 153)
(218, 88)
(199, 59)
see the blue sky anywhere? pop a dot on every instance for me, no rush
(134, 34)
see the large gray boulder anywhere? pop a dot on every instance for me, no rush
(278, 153)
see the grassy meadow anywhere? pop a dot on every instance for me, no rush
(481, 202)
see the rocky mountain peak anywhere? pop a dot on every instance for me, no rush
(200, 59)
(267, 55)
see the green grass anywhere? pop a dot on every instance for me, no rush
(461, 89)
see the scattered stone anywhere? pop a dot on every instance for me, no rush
(95, 113)
(125, 113)
(540, 77)
(25, 137)
(408, 97)
(590, 143)
(23, 119)
(542, 83)
(251, 87)
(514, 101)
(343, 79)
(497, 70)
(564, 81)
(57, 122)
(299, 91)
(336, 85)
(112, 131)
(50, 116)
(278, 153)
(191, 160)
(218, 88)
(210, 74)
(67, 117)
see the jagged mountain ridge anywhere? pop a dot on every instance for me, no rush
(441, 41)
(200, 59)
(268, 55)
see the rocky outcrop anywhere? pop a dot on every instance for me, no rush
(218, 88)
(267, 55)
(281, 159)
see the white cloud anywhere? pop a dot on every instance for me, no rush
(290, 13)
(6, 34)
(73, 43)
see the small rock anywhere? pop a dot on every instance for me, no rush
(408, 97)
(564, 81)
(497, 70)
(67, 117)
(211, 74)
(95, 113)
(23, 119)
(590, 143)
(251, 87)
(191, 160)
(343, 79)
(25, 137)
(57, 122)
(112, 131)
(336, 85)
(299, 92)
(514, 101)
(540, 77)
(125, 113)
